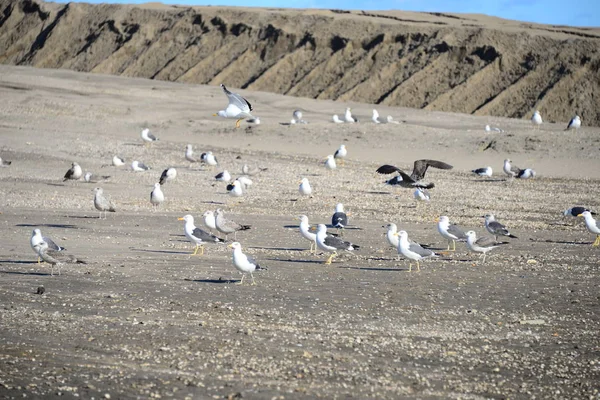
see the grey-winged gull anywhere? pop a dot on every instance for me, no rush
(482, 245)
(156, 196)
(451, 232)
(238, 107)
(536, 119)
(413, 251)
(496, 228)
(37, 238)
(147, 136)
(592, 225)
(57, 258)
(228, 226)
(332, 244)
(138, 166)
(196, 235)
(244, 263)
(101, 203)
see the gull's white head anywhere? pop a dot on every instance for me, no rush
(471, 235)
(236, 246)
(303, 219)
(392, 227)
(444, 220)
(339, 207)
(321, 228)
(208, 213)
(157, 186)
(187, 218)
(586, 215)
(98, 190)
(297, 115)
(403, 235)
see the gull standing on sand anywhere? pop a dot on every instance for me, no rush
(511, 170)
(451, 232)
(117, 161)
(304, 188)
(341, 153)
(592, 225)
(536, 120)
(422, 195)
(412, 251)
(235, 189)
(332, 244)
(496, 228)
(227, 226)
(138, 166)
(307, 233)
(189, 154)
(297, 118)
(148, 137)
(337, 119)
(485, 171)
(339, 219)
(156, 196)
(238, 107)
(481, 245)
(209, 220)
(348, 117)
(168, 175)
(330, 162)
(54, 257)
(375, 117)
(101, 203)
(224, 176)
(196, 235)
(37, 239)
(74, 173)
(244, 263)
(575, 123)
(209, 159)
(392, 235)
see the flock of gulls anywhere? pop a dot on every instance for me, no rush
(330, 243)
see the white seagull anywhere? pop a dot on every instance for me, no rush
(168, 175)
(196, 235)
(37, 239)
(375, 117)
(235, 189)
(304, 188)
(348, 117)
(575, 123)
(337, 119)
(156, 196)
(592, 226)
(306, 232)
(244, 263)
(341, 153)
(451, 232)
(413, 251)
(209, 220)
(209, 158)
(330, 162)
(117, 161)
(238, 107)
(74, 173)
(536, 119)
(189, 154)
(224, 176)
(484, 171)
(331, 244)
(138, 166)
(481, 245)
(147, 136)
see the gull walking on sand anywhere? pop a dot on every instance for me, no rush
(54, 257)
(196, 235)
(238, 107)
(74, 173)
(308, 233)
(37, 239)
(148, 137)
(101, 203)
(244, 263)
(574, 123)
(331, 244)
(592, 225)
(228, 226)
(413, 251)
(536, 120)
(482, 245)
(451, 232)
(496, 228)
(156, 196)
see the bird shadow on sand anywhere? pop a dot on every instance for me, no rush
(488, 180)
(64, 226)
(397, 269)
(276, 248)
(296, 261)
(376, 192)
(55, 184)
(220, 280)
(160, 251)
(214, 202)
(25, 273)
(83, 216)
(17, 262)
(559, 241)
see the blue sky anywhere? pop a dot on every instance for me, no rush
(573, 12)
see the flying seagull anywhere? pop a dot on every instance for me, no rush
(238, 107)
(418, 173)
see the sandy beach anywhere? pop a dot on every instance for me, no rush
(143, 319)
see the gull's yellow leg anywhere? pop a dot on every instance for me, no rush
(242, 281)
(202, 250)
(39, 260)
(597, 242)
(418, 266)
(253, 281)
(483, 262)
(453, 245)
(195, 250)
(409, 267)
(237, 123)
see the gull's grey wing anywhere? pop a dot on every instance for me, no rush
(52, 245)
(151, 136)
(387, 169)
(498, 228)
(338, 243)
(416, 248)
(485, 241)
(456, 231)
(237, 100)
(205, 236)
(420, 167)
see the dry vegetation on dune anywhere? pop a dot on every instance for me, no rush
(144, 319)
(449, 62)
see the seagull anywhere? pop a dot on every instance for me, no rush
(189, 154)
(331, 244)
(412, 251)
(575, 211)
(156, 196)
(421, 195)
(238, 107)
(348, 117)
(485, 171)
(330, 162)
(148, 137)
(450, 232)
(244, 181)
(493, 129)
(536, 119)
(575, 123)
(167, 175)
(209, 159)
(101, 203)
(339, 219)
(247, 170)
(390, 120)
(91, 178)
(481, 245)
(37, 239)
(304, 188)
(235, 189)
(392, 236)
(526, 173)
(337, 119)
(496, 228)
(297, 118)
(54, 257)
(227, 226)
(306, 232)
(592, 226)
(375, 117)
(418, 173)
(209, 220)
(341, 153)
(117, 161)
(74, 173)
(4, 163)
(138, 166)
(244, 263)
(510, 170)
(255, 121)
(224, 176)
(196, 235)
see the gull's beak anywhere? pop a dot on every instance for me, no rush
(180, 219)
(437, 220)
(396, 234)
(580, 215)
(215, 115)
(230, 246)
